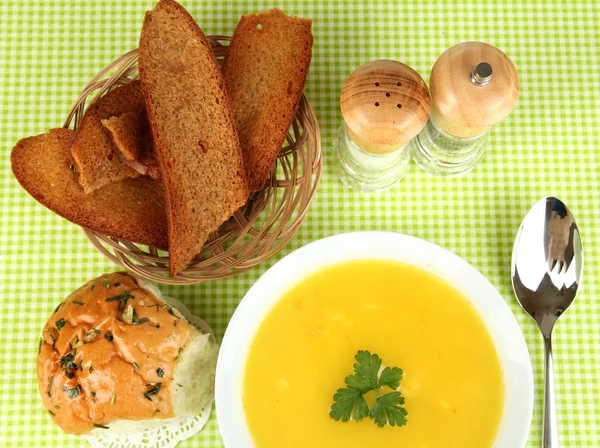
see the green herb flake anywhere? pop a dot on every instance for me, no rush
(70, 375)
(60, 323)
(349, 403)
(135, 320)
(127, 315)
(100, 426)
(122, 298)
(90, 336)
(40, 346)
(112, 399)
(59, 305)
(91, 369)
(116, 285)
(93, 394)
(135, 366)
(172, 313)
(50, 386)
(56, 407)
(154, 391)
(51, 413)
(73, 393)
(92, 288)
(67, 361)
(105, 283)
(160, 372)
(155, 412)
(177, 358)
(108, 336)
(77, 302)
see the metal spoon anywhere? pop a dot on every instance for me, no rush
(547, 267)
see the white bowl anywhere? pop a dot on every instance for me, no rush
(500, 323)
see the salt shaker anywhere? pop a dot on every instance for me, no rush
(384, 105)
(473, 86)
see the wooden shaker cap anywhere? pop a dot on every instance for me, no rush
(384, 104)
(462, 107)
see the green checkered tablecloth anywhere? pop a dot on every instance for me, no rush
(548, 146)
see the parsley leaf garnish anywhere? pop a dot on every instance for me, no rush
(106, 283)
(346, 400)
(350, 404)
(160, 372)
(365, 372)
(387, 409)
(390, 377)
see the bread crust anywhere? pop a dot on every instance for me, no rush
(93, 149)
(265, 71)
(131, 210)
(130, 133)
(192, 128)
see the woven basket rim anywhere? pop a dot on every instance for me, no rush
(255, 232)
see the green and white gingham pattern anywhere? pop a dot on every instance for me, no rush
(548, 146)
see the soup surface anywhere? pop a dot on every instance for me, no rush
(413, 320)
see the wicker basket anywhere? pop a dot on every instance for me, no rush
(255, 232)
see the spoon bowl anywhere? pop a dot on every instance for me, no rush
(547, 268)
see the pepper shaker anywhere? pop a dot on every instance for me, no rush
(473, 86)
(384, 105)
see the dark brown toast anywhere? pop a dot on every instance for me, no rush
(132, 209)
(93, 150)
(130, 133)
(192, 127)
(265, 71)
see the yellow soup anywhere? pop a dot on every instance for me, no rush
(413, 320)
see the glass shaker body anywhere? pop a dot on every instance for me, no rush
(474, 86)
(384, 105)
(442, 154)
(365, 171)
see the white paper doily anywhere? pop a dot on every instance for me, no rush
(174, 430)
(165, 436)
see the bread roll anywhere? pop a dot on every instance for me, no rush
(117, 356)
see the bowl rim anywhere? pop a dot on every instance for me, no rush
(271, 286)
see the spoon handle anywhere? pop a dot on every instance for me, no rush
(550, 429)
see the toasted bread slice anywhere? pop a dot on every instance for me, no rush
(265, 71)
(132, 209)
(192, 127)
(93, 150)
(130, 133)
